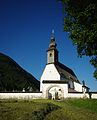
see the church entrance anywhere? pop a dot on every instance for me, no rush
(55, 93)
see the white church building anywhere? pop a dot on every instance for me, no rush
(57, 79)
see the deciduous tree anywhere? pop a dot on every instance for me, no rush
(80, 21)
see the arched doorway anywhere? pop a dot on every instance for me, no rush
(55, 92)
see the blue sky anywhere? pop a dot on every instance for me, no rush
(25, 32)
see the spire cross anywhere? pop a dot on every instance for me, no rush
(53, 33)
(52, 37)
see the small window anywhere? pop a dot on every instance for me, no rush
(59, 89)
(69, 85)
(50, 54)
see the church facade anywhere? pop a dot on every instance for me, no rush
(57, 79)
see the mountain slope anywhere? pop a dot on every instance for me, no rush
(13, 77)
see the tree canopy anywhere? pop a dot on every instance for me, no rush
(80, 21)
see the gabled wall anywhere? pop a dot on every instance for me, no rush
(50, 73)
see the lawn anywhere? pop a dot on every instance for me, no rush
(69, 109)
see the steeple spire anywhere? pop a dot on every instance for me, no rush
(52, 37)
(52, 52)
(52, 42)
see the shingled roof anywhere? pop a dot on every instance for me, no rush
(65, 72)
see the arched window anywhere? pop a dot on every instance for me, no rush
(50, 54)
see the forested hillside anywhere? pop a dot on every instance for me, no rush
(15, 78)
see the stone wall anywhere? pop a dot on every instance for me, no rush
(77, 95)
(21, 95)
(91, 95)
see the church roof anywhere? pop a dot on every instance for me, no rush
(70, 90)
(65, 72)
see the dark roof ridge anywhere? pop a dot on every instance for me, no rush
(66, 68)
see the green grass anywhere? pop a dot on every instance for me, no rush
(75, 109)
(69, 109)
(24, 109)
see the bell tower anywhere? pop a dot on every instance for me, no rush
(52, 52)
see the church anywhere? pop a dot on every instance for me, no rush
(57, 79)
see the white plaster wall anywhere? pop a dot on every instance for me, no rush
(78, 87)
(94, 96)
(46, 87)
(65, 90)
(78, 95)
(40, 95)
(20, 95)
(82, 95)
(50, 73)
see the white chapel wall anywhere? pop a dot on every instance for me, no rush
(77, 87)
(49, 73)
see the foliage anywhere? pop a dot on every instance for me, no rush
(80, 21)
(69, 109)
(13, 77)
